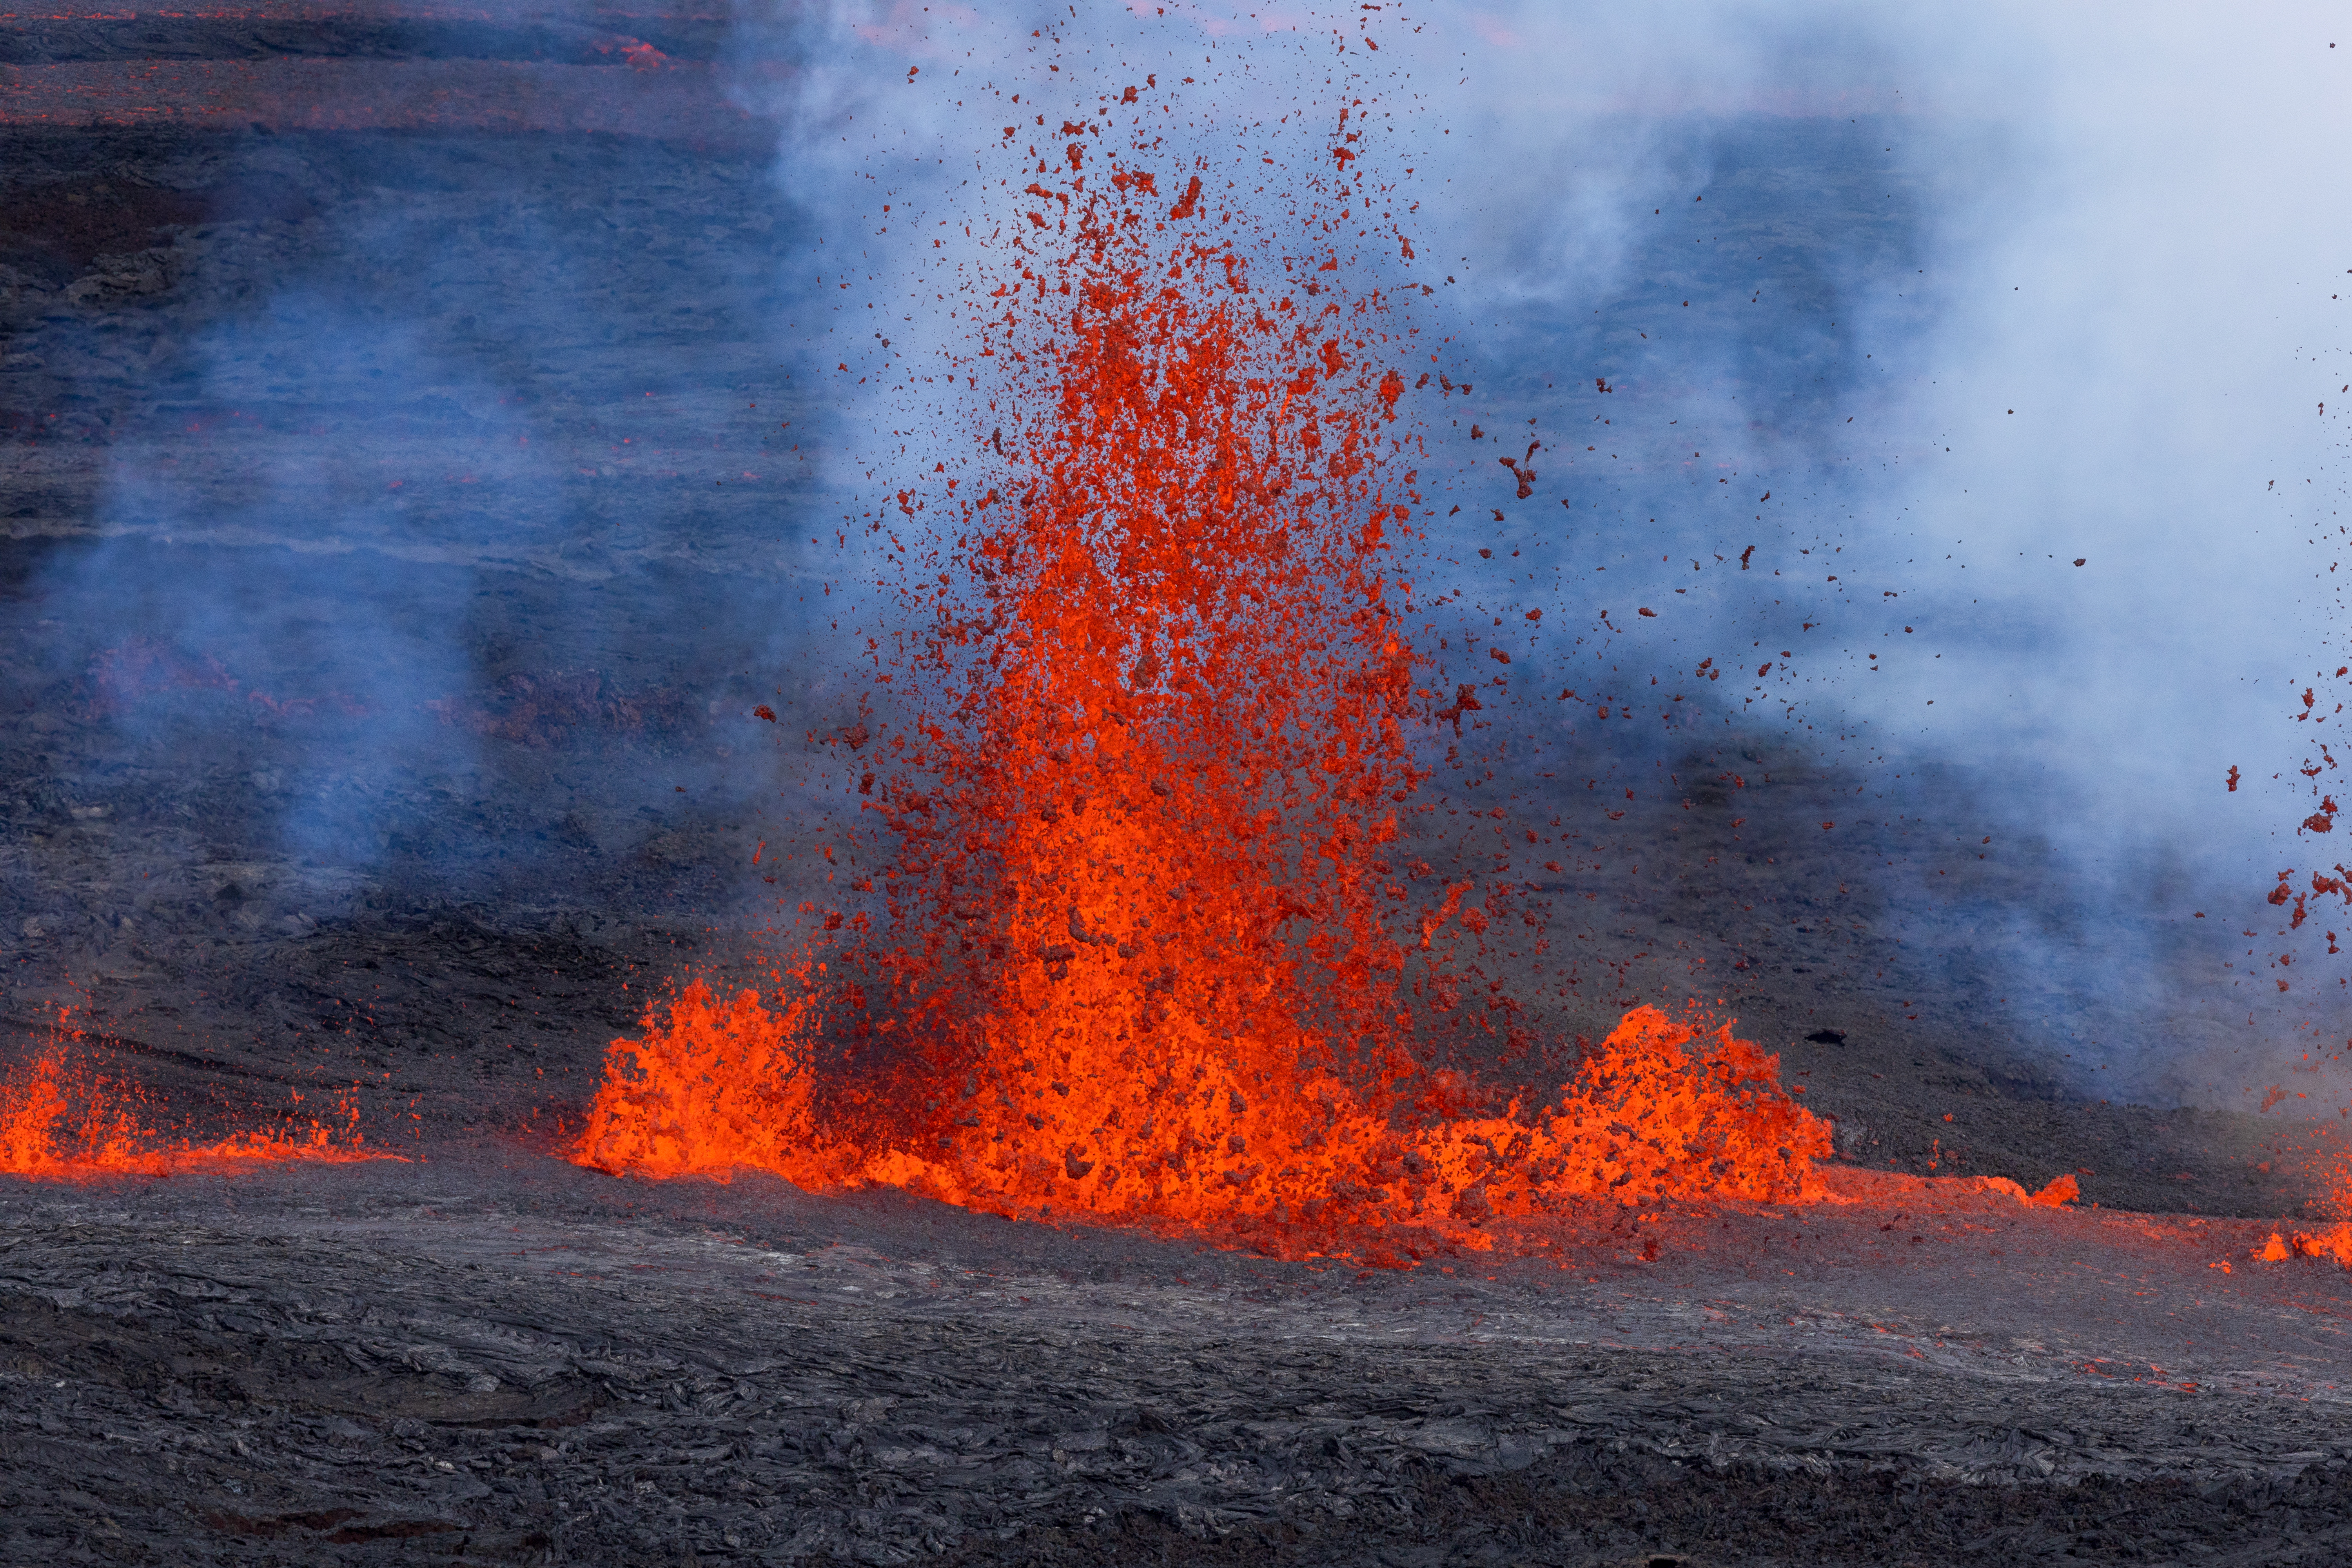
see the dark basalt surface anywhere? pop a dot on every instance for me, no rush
(487, 1358)
(587, 38)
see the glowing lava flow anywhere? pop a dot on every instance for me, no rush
(59, 1125)
(717, 1085)
(1151, 959)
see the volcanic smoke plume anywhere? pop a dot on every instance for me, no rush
(1151, 949)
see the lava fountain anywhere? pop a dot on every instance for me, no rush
(60, 1121)
(1153, 950)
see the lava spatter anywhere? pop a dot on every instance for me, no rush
(1156, 731)
(61, 1122)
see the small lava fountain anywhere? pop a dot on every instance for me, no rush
(1149, 956)
(59, 1122)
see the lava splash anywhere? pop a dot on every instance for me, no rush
(1157, 948)
(61, 1122)
(718, 1085)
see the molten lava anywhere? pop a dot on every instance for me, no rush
(60, 1124)
(1146, 956)
(1230, 1139)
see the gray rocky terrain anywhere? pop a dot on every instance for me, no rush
(485, 1356)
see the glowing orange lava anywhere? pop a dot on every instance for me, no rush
(1154, 732)
(60, 1124)
(1194, 1136)
(2333, 1240)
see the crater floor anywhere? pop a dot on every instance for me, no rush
(484, 1354)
